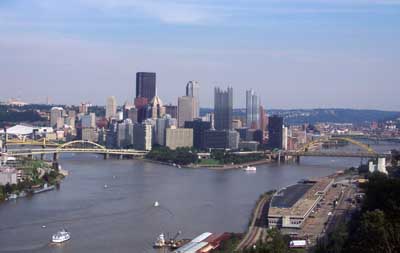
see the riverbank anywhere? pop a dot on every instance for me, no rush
(34, 176)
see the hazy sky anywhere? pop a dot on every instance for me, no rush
(294, 53)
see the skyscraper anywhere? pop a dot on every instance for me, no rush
(252, 107)
(111, 108)
(146, 85)
(199, 128)
(275, 132)
(186, 107)
(56, 114)
(223, 108)
(192, 90)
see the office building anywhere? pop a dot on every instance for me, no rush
(192, 90)
(133, 115)
(172, 110)
(89, 120)
(186, 107)
(275, 132)
(89, 134)
(155, 108)
(56, 116)
(285, 136)
(141, 107)
(252, 109)
(126, 107)
(111, 108)
(146, 85)
(248, 145)
(142, 136)
(223, 108)
(221, 139)
(125, 134)
(179, 138)
(199, 128)
(83, 108)
(263, 119)
(160, 128)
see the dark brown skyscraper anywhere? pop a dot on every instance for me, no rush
(146, 85)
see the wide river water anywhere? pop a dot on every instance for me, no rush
(122, 218)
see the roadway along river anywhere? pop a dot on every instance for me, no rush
(121, 217)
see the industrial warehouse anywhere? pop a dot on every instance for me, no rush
(290, 206)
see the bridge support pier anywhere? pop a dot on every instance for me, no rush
(55, 157)
(42, 157)
(297, 158)
(121, 157)
(106, 156)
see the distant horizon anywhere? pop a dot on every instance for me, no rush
(235, 108)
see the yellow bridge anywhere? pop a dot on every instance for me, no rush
(78, 146)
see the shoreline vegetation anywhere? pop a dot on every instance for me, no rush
(35, 175)
(188, 158)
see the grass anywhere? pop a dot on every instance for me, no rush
(209, 162)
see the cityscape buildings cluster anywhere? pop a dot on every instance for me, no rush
(146, 121)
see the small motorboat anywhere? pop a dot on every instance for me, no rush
(156, 204)
(61, 236)
(250, 168)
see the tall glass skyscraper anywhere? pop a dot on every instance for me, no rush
(192, 90)
(252, 109)
(146, 85)
(223, 108)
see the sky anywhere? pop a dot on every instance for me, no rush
(293, 53)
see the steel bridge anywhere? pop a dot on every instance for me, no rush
(78, 146)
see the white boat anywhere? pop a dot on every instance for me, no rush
(61, 236)
(156, 204)
(105, 186)
(160, 242)
(250, 168)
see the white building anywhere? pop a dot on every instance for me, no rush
(285, 135)
(111, 107)
(8, 176)
(380, 167)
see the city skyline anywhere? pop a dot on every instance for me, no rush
(325, 51)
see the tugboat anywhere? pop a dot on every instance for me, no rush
(61, 236)
(160, 242)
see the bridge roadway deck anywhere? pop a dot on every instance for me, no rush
(334, 154)
(26, 152)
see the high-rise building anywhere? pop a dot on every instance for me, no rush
(199, 128)
(133, 115)
(252, 107)
(263, 119)
(172, 110)
(146, 85)
(275, 132)
(192, 90)
(161, 126)
(125, 134)
(156, 108)
(56, 117)
(142, 136)
(285, 136)
(223, 108)
(111, 107)
(89, 120)
(186, 107)
(179, 138)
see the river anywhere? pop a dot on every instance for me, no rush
(122, 218)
